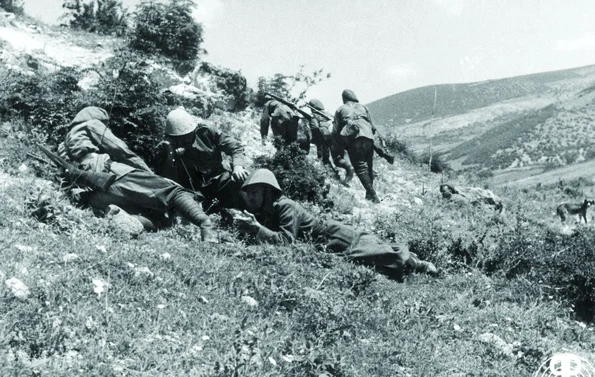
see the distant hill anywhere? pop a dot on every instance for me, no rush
(416, 105)
(543, 120)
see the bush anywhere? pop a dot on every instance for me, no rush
(132, 98)
(284, 86)
(299, 179)
(232, 83)
(43, 102)
(13, 6)
(169, 30)
(47, 103)
(437, 164)
(399, 147)
(97, 16)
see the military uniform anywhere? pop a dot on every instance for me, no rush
(199, 167)
(354, 130)
(284, 123)
(93, 147)
(290, 222)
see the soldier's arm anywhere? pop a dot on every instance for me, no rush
(288, 227)
(117, 149)
(230, 147)
(374, 130)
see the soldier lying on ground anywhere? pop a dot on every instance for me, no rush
(280, 220)
(93, 148)
(191, 155)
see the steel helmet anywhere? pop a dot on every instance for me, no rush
(316, 104)
(262, 176)
(180, 123)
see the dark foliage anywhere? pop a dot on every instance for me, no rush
(45, 103)
(170, 30)
(233, 83)
(436, 162)
(299, 179)
(97, 16)
(12, 6)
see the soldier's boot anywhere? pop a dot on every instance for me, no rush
(191, 210)
(368, 184)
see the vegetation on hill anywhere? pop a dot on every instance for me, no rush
(488, 149)
(416, 105)
(94, 302)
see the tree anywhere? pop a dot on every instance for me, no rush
(285, 86)
(13, 6)
(169, 30)
(96, 16)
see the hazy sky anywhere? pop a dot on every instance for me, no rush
(381, 47)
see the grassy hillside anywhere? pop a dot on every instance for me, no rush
(80, 297)
(416, 105)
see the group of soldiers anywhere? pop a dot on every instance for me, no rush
(351, 129)
(191, 181)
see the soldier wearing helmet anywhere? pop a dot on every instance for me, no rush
(355, 132)
(92, 147)
(284, 123)
(321, 137)
(191, 155)
(275, 219)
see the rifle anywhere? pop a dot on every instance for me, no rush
(318, 112)
(94, 180)
(290, 104)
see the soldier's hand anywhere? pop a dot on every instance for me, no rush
(246, 222)
(239, 173)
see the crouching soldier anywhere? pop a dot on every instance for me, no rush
(191, 155)
(95, 151)
(280, 220)
(284, 123)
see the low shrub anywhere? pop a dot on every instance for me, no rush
(299, 179)
(96, 16)
(400, 147)
(436, 162)
(232, 83)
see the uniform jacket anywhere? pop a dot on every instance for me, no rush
(321, 128)
(290, 222)
(203, 161)
(95, 148)
(353, 120)
(283, 122)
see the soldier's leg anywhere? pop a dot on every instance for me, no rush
(338, 155)
(359, 154)
(150, 191)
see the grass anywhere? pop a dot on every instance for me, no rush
(317, 315)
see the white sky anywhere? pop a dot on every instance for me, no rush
(381, 47)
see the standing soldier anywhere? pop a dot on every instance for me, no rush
(192, 156)
(321, 128)
(95, 152)
(353, 130)
(285, 123)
